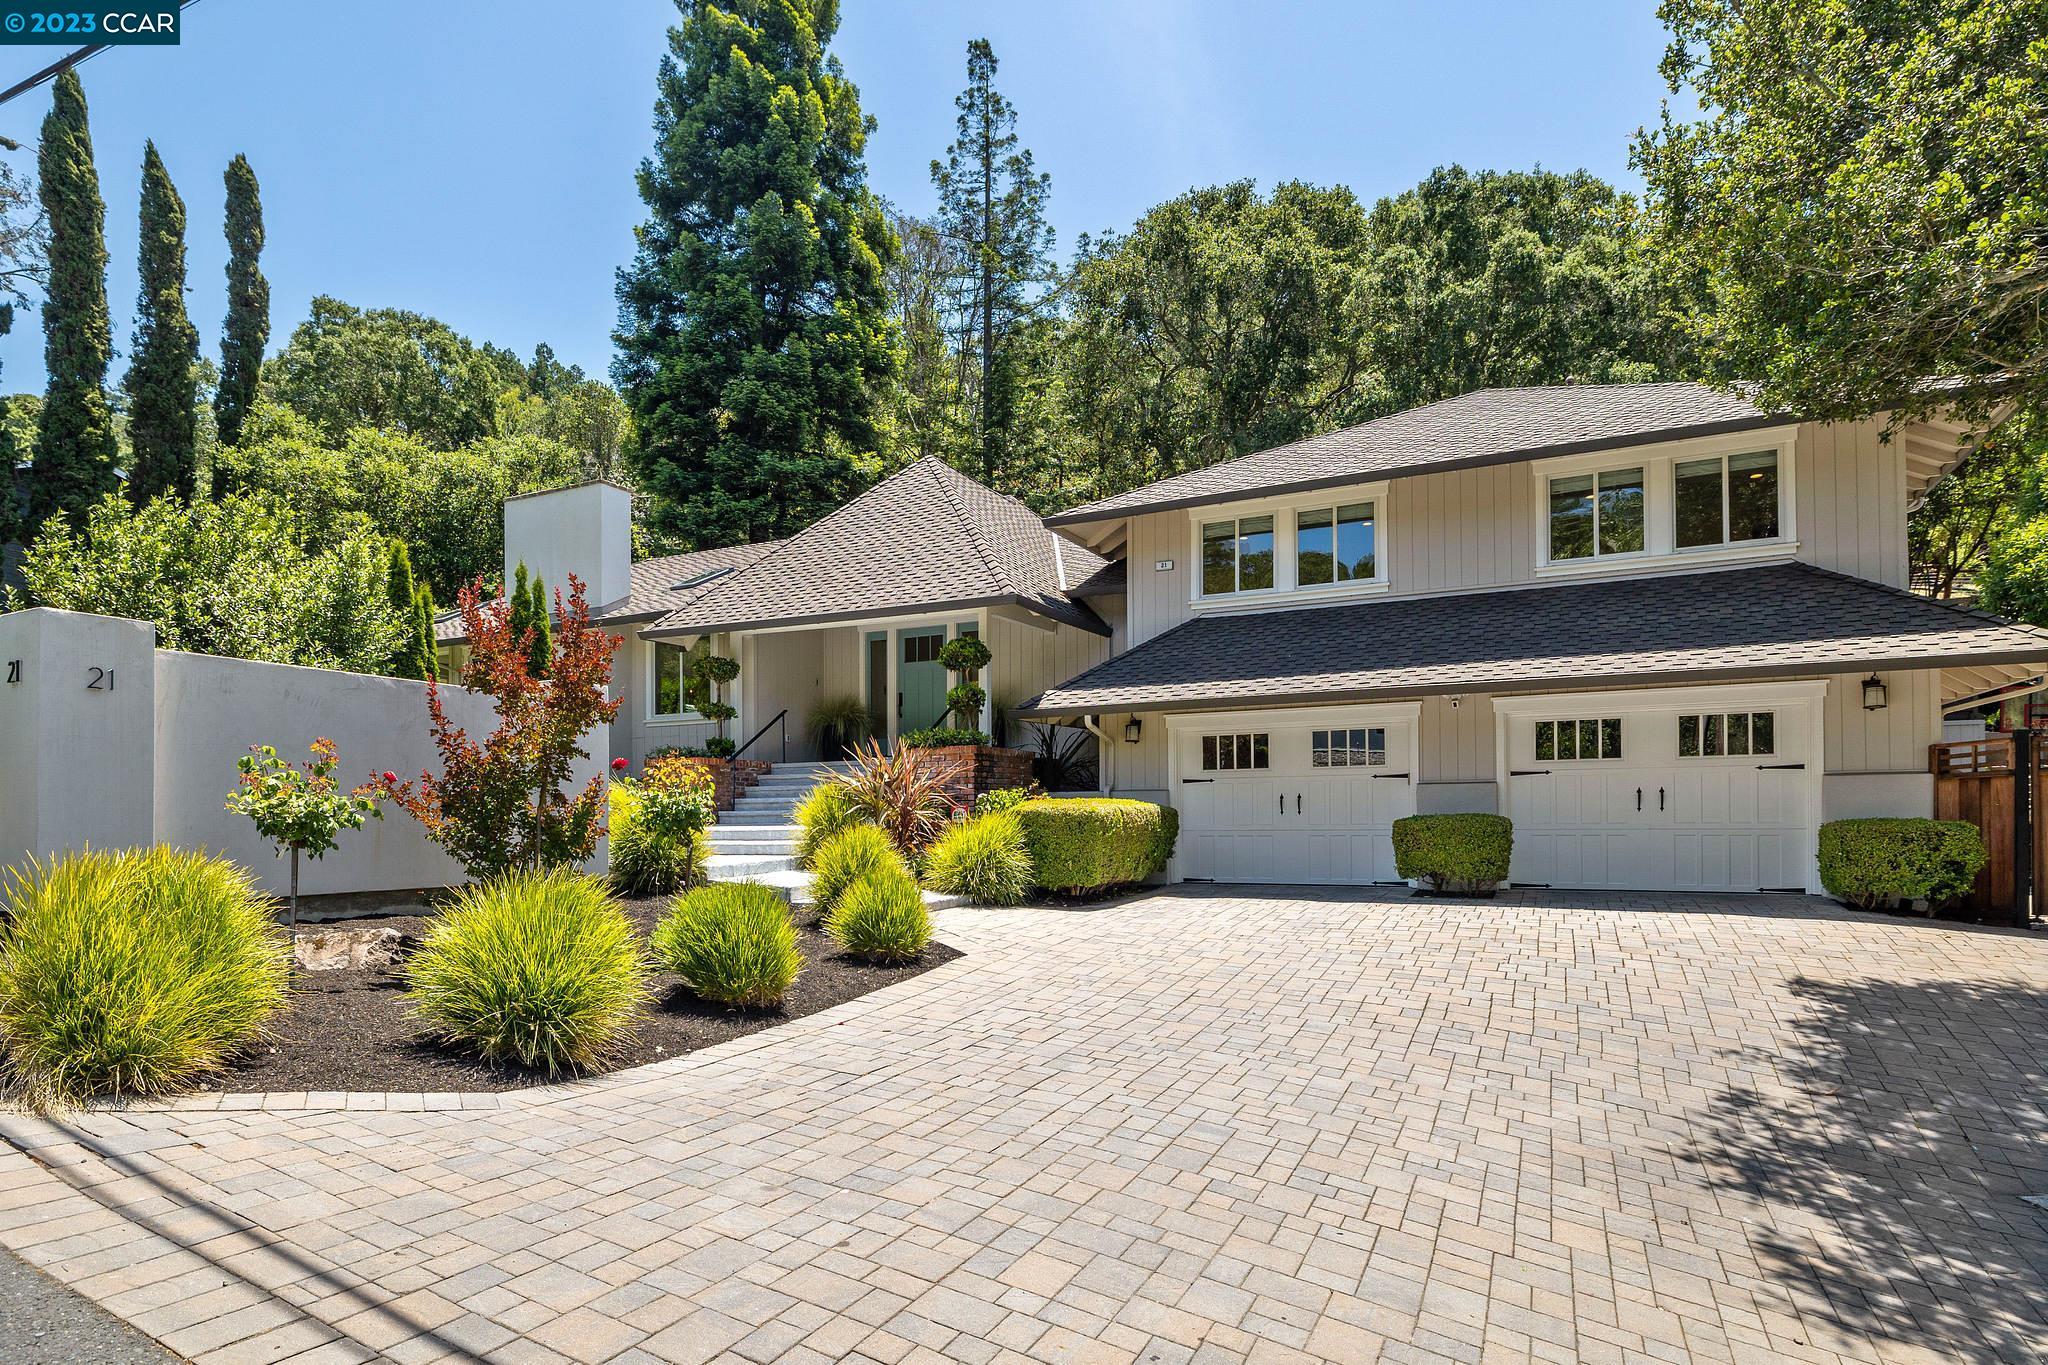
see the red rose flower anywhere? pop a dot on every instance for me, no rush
(390, 779)
(618, 765)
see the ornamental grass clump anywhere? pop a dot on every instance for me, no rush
(536, 969)
(847, 857)
(983, 859)
(732, 944)
(825, 812)
(133, 974)
(881, 918)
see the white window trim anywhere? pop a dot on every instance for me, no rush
(1660, 503)
(1286, 590)
(688, 715)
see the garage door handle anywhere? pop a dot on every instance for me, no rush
(1767, 766)
(1639, 798)
(1660, 798)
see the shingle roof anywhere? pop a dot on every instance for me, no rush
(1773, 621)
(655, 585)
(925, 538)
(1489, 426)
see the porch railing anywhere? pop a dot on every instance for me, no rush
(780, 726)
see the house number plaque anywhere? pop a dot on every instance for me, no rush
(14, 672)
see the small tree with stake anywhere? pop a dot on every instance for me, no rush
(299, 808)
(965, 657)
(715, 671)
(504, 804)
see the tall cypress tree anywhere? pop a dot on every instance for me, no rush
(992, 205)
(163, 424)
(753, 325)
(75, 442)
(247, 328)
(537, 611)
(426, 660)
(402, 591)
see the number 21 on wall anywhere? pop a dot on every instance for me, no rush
(102, 680)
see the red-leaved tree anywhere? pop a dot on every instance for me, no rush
(505, 804)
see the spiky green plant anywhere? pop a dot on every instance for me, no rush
(855, 852)
(537, 969)
(129, 974)
(983, 859)
(827, 810)
(881, 918)
(733, 944)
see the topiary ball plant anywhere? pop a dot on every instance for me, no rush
(881, 918)
(1468, 853)
(536, 969)
(983, 859)
(132, 974)
(849, 856)
(733, 944)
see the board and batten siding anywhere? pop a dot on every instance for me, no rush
(1472, 529)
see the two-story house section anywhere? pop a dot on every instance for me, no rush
(1666, 632)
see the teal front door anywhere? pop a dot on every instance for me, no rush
(920, 679)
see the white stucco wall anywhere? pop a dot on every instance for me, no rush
(585, 530)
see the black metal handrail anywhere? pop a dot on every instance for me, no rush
(780, 717)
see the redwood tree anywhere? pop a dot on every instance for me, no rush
(505, 804)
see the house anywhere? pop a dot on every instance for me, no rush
(854, 606)
(1666, 632)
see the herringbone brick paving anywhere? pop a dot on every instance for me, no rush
(1196, 1126)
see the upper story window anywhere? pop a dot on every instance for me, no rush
(1237, 555)
(1597, 514)
(1726, 499)
(1335, 544)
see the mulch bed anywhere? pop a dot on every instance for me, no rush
(348, 1030)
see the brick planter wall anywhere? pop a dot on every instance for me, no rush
(729, 776)
(982, 768)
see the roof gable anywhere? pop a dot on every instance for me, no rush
(1487, 426)
(925, 538)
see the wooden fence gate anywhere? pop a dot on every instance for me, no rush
(1999, 785)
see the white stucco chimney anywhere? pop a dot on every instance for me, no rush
(586, 530)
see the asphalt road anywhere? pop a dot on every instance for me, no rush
(43, 1323)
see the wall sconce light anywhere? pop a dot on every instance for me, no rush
(1873, 693)
(1132, 729)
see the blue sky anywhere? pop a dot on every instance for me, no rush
(473, 159)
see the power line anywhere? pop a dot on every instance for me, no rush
(65, 63)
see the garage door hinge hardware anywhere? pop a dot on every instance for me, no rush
(1378, 776)
(1528, 772)
(1186, 780)
(1762, 766)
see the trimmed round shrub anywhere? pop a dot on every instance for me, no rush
(537, 969)
(658, 844)
(824, 812)
(1871, 864)
(881, 918)
(130, 974)
(1467, 853)
(983, 859)
(1090, 843)
(847, 857)
(733, 944)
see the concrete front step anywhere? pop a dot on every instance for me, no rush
(796, 889)
(740, 867)
(770, 815)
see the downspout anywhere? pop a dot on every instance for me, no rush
(1105, 749)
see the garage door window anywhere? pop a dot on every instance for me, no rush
(1565, 741)
(1348, 748)
(1230, 753)
(1733, 734)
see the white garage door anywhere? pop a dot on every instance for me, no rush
(1293, 796)
(1715, 793)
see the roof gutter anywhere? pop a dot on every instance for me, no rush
(661, 631)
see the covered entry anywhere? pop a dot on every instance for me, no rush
(1683, 789)
(1306, 795)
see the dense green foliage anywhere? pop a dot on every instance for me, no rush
(1467, 853)
(856, 852)
(246, 329)
(75, 444)
(1860, 198)
(983, 859)
(732, 944)
(753, 331)
(992, 202)
(163, 399)
(1003, 799)
(538, 970)
(881, 918)
(1995, 505)
(657, 828)
(132, 974)
(823, 813)
(246, 577)
(1876, 863)
(412, 605)
(1080, 844)
(940, 737)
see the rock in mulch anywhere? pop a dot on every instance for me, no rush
(330, 950)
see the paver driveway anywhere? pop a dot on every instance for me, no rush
(1193, 1126)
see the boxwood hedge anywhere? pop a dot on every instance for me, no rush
(1874, 863)
(1088, 843)
(1467, 853)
